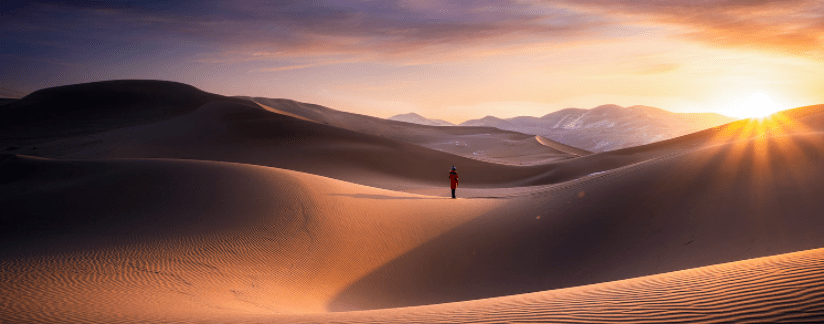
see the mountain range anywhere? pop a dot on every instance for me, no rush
(600, 129)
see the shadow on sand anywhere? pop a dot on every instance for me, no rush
(666, 218)
(383, 197)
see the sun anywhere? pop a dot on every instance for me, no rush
(757, 105)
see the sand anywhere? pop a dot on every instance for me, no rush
(785, 288)
(205, 231)
(272, 211)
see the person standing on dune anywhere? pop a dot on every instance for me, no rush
(453, 175)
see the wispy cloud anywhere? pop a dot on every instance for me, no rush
(39, 60)
(6, 92)
(657, 69)
(410, 30)
(389, 29)
(286, 68)
(793, 27)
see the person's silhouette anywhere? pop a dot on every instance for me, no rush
(453, 176)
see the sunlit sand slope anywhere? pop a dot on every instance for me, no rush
(561, 147)
(787, 288)
(794, 121)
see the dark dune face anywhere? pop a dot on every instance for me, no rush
(94, 107)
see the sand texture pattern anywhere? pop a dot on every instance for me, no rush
(195, 207)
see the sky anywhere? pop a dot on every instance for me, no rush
(452, 60)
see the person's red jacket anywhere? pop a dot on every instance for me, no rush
(453, 175)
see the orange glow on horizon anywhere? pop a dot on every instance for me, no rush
(756, 105)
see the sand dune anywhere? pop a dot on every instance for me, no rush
(780, 289)
(480, 143)
(203, 209)
(561, 147)
(795, 121)
(89, 108)
(235, 132)
(208, 237)
(736, 201)
(228, 242)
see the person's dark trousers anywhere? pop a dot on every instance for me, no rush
(453, 193)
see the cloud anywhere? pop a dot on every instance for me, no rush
(368, 29)
(288, 34)
(38, 60)
(288, 67)
(13, 93)
(398, 31)
(794, 27)
(657, 69)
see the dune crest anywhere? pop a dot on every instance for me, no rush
(561, 147)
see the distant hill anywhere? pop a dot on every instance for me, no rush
(491, 121)
(89, 108)
(481, 143)
(420, 120)
(606, 127)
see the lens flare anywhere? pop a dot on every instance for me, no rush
(758, 105)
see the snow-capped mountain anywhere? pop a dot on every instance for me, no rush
(607, 127)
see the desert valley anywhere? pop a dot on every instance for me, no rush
(137, 201)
